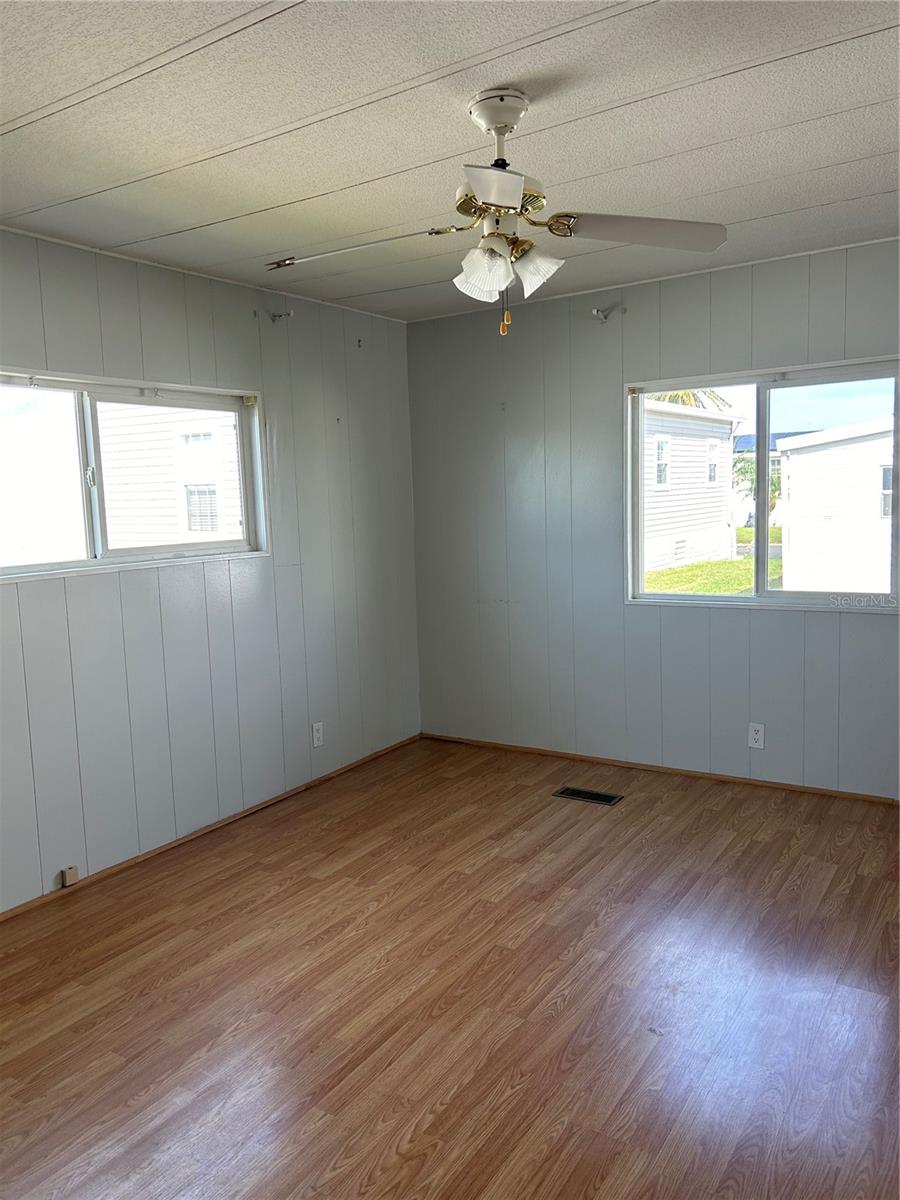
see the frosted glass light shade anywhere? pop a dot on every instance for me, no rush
(534, 268)
(487, 270)
(476, 293)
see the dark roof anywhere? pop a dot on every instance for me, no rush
(747, 441)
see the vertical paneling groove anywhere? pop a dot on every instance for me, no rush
(51, 715)
(106, 759)
(20, 852)
(148, 707)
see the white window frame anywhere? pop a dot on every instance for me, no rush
(251, 448)
(763, 596)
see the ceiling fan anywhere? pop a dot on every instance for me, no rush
(497, 198)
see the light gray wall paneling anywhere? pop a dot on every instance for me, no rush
(729, 690)
(643, 684)
(640, 331)
(21, 316)
(788, 312)
(189, 694)
(258, 679)
(685, 685)
(597, 526)
(403, 655)
(163, 325)
(868, 753)
(279, 431)
(236, 336)
(780, 329)
(871, 300)
(366, 452)
(223, 680)
(148, 707)
(827, 307)
(557, 390)
(487, 448)
(684, 333)
(524, 473)
(201, 333)
(294, 695)
(71, 305)
(215, 704)
(313, 494)
(343, 559)
(821, 689)
(730, 294)
(51, 717)
(101, 714)
(777, 693)
(446, 508)
(20, 862)
(120, 318)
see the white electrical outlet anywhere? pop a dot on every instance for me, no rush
(318, 734)
(756, 738)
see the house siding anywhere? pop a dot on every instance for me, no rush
(687, 520)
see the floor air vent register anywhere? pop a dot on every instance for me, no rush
(574, 793)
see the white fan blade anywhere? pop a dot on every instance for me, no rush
(650, 231)
(496, 186)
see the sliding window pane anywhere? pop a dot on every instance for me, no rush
(41, 489)
(832, 469)
(697, 474)
(171, 476)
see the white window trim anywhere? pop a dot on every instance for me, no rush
(885, 602)
(251, 432)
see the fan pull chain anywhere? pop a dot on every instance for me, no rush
(506, 319)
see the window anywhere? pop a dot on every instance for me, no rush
(202, 513)
(662, 462)
(712, 461)
(776, 490)
(92, 473)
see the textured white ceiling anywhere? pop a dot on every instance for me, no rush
(214, 136)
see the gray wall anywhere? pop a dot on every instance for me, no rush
(518, 470)
(140, 704)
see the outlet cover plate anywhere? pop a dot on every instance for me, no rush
(318, 734)
(756, 736)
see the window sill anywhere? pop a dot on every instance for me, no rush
(836, 602)
(106, 566)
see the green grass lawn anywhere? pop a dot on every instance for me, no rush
(745, 535)
(725, 577)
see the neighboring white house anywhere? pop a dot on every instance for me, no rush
(170, 475)
(686, 465)
(836, 508)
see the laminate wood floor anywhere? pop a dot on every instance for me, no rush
(429, 979)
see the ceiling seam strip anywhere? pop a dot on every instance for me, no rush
(612, 107)
(351, 106)
(433, 217)
(622, 245)
(307, 279)
(133, 73)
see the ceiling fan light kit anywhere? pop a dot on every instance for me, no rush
(497, 198)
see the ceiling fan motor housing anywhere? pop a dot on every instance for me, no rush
(497, 111)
